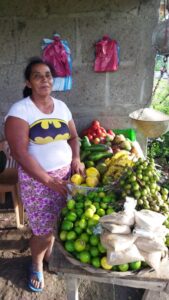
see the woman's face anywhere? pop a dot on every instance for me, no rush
(41, 80)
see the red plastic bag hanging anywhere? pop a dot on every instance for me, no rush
(55, 54)
(107, 56)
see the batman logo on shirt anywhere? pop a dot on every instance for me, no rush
(45, 131)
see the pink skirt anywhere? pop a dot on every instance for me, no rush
(42, 204)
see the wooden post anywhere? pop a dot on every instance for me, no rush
(72, 285)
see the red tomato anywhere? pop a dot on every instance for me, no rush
(109, 131)
(103, 130)
(90, 137)
(96, 123)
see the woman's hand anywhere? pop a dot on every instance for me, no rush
(77, 167)
(59, 186)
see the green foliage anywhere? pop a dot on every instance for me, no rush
(159, 148)
(160, 99)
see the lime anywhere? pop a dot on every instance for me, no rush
(136, 265)
(79, 205)
(101, 212)
(96, 204)
(107, 199)
(82, 223)
(79, 245)
(78, 230)
(67, 225)
(102, 194)
(115, 268)
(91, 222)
(71, 204)
(94, 251)
(89, 163)
(109, 211)
(96, 262)
(79, 212)
(87, 202)
(84, 236)
(89, 230)
(84, 257)
(71, 235)
(79, 197)
(103, 205)
(123, 267)
(105, 264)
(94, 240)
(71, 216)
(89, 213)
(69, 246)
(63, 235)
(64, 211)
(101, 248)
(91, 195)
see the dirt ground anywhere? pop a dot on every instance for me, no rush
(15, 259)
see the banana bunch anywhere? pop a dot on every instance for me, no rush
(117, 164)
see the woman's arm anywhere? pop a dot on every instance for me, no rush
(77, 166)
(17, 135)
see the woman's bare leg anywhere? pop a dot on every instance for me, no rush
(49, 250)
(39, 245)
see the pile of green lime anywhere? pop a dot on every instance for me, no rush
(79, 219)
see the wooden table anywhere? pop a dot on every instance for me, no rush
(156, 289)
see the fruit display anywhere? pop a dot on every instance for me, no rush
(77, 228)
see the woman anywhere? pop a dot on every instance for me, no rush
(43, 140)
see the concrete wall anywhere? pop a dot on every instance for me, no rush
(110, 97)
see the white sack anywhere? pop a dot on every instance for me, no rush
(149, 245)
(117, 242)
(113, 228)
(123, 257)
(148, 220)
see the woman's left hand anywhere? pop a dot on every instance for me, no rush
(77, 166)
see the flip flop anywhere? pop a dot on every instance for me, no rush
(39, 276)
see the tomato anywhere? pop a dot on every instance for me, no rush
(95, 123)
(109, 131)
(103, 130)
(90, 137)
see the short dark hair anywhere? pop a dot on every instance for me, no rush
(28, 70)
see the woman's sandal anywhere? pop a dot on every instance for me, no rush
(39, 276)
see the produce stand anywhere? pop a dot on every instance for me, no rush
(156, 288)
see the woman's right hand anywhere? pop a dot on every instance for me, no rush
(59, 186)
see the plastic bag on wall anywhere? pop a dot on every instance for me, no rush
(58, 54)
(107, 55)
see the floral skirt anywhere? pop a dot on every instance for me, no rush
(42, 204)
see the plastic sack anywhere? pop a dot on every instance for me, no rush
(149, 220)
(117, 242)
(120, 218)
(107, 55)
(123, 257)
(149, 245)
(155, 258)
(56, 54)
(113, 228)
